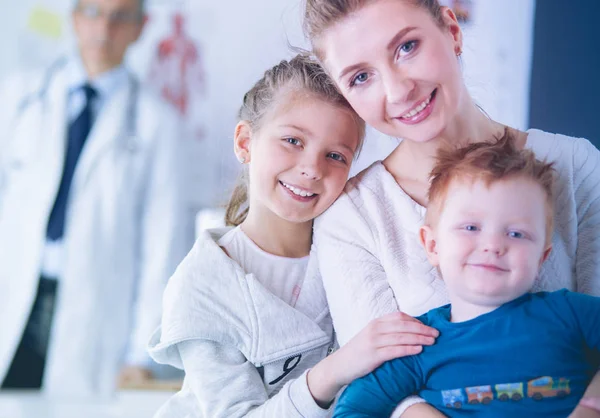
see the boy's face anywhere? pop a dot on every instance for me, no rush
(489, 241)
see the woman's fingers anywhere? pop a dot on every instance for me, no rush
(592, 403)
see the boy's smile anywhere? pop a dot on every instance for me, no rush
(489, 242)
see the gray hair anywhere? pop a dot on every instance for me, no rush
(142, 8)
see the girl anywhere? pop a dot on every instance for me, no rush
(397, 63)
(245, 314)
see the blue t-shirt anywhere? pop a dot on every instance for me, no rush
(532, 357)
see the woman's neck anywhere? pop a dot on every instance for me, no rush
(277, 236)
(412, 161)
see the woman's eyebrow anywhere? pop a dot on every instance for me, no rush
(391, 45)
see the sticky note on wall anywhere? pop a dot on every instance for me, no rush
(45, 22)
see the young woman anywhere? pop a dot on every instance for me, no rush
(397, 63)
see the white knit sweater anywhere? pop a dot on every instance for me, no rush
(372, 263)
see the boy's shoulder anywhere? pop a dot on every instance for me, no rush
(434, 316)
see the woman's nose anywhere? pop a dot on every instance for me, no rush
(398, 87)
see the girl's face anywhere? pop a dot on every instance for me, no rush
(300, 157)
(397, 67)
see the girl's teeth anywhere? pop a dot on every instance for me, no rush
(296, 191)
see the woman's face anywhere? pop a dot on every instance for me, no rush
(397, 67)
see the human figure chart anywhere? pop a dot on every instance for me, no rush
(177, 70)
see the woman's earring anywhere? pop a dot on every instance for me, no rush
(459, 52)
(242, 160)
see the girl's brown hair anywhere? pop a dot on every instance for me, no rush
(301, 74)
(320, 15)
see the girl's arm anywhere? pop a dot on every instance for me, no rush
(389, 337)
(225, 384)
(586, 183)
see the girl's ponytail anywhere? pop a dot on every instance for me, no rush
(237, 208)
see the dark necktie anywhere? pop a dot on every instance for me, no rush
(77, 134)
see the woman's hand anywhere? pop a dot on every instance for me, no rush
(421, 410)
(591, 403)
(588, 407)
(391, 336)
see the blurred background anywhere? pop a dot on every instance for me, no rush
(529, 64)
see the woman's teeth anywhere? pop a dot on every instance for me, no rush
(417, 109)
(297, 191)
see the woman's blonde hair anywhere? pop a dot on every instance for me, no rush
(300, 74)
(320, 15)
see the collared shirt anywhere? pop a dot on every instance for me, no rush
(107, 85)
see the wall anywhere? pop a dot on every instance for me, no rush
(239, 39)
(565, 84)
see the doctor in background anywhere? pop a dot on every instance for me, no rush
(91, 213)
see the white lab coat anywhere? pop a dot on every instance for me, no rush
(124, 232)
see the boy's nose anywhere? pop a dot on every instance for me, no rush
(495, 245)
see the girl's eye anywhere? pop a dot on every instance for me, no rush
(407, 48)
(516, 234)
(293, 141)
(471, 228)
(358, 79)
(336, 156)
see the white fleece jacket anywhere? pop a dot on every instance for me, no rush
(372, 262)
(245, 352)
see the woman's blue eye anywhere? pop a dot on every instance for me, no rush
(471, 228)
(293, 141)
(516, 234)
(359, 79)
(407, 47)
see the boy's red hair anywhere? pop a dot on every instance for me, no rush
(489, 162)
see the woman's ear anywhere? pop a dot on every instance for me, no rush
(241, 141)
(427, 238)
(451, 23)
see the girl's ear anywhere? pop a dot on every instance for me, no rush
(453, 27)
(427, 238)
(241, 141)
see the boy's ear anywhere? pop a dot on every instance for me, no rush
(427, 238)
(241, 141)
(545, 254)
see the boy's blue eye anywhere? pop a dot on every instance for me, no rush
(471, 228)
(516, 234)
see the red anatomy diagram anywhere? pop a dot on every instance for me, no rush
(177, 70)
